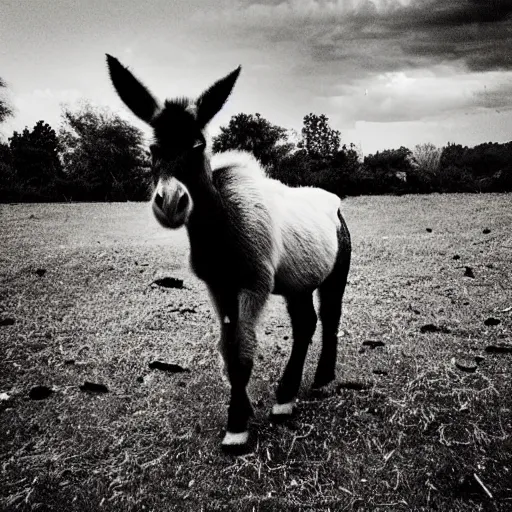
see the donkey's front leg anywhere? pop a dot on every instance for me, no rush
(237, 346)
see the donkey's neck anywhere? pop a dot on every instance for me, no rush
(208, 213)
(209, 229)
(205, 196)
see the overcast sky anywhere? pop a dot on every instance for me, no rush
(386, 72)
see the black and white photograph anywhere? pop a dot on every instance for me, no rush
(256, 255)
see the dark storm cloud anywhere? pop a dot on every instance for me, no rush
(476, 33)
(390, 34)
(463, 12)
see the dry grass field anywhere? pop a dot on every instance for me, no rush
(419, 419)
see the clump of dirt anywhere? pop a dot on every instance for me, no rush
(469, 273)
(169, 282)
(373, 344)
(428, 328)
(167, 367)
(40, 392)
(354, 385)
(465, 365)
(93, 387)
(499, 349)
(183, 310)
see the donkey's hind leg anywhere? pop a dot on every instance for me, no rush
(331, 296)
(303, 318)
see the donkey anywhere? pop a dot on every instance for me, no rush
(250, 236)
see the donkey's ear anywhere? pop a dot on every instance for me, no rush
(135, 95)
(212, 100)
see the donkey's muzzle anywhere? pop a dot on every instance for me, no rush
(172, 205)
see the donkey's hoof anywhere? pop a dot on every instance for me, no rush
(282, 412)
(236, 443)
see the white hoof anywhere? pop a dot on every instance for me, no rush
(283, 409)
(235, 438)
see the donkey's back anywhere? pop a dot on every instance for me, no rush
(299, 227)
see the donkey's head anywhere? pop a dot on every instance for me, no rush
(178, 151)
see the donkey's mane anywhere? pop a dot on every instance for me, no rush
(238, 162)
(174, 121)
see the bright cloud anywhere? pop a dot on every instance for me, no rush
(402, 96)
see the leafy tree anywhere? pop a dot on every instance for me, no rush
(487, 159)
(5, 109)
(485, 166)
(425, 174)
(294, 169)
(337, 174)
(452, 155)
(342, 177)
(254, 133)
(387, 171)
(103, 156)
(501, 180)
(35, 160)
(8, 181)
(318, 138)
(314, 163)
(427, 157)
(5, 153)
(454, 174)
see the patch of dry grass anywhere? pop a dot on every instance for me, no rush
(413, 438)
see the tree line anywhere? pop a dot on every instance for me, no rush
(97, 156)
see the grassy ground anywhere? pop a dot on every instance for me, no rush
(412, 437)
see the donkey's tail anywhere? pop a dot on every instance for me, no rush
(344, 241)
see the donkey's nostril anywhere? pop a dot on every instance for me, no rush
(182, 204)
(159, 201)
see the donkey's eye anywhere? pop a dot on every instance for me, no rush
(199, 144)
(155, 174)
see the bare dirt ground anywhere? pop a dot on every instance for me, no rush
(420, 418)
